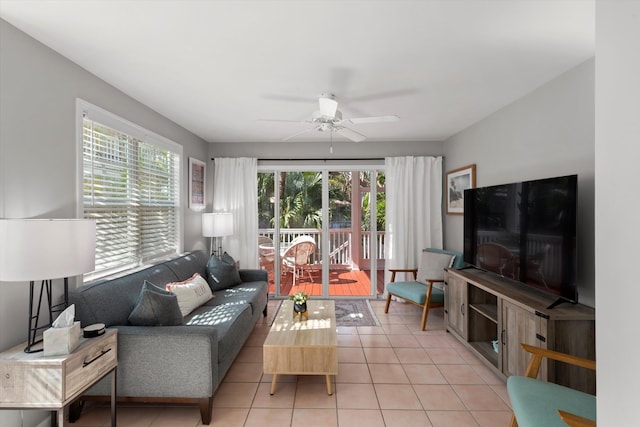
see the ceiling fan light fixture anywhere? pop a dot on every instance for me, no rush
(326, 127)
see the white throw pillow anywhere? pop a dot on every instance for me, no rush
(191, 293)
(432, 266)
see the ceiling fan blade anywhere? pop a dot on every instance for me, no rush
(328, 106)
(281, 121)
(288, 98)
(299, 133)
(378, 119)
(351, 134)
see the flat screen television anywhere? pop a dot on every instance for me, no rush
(526, 232)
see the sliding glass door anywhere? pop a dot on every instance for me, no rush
(318, 232)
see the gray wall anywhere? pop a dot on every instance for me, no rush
(38, 90)
(549, 132)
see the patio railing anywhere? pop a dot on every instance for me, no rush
(340, 244)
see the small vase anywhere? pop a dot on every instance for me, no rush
(300, 308)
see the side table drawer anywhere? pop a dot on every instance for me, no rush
(90, 364)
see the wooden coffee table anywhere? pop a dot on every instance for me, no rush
(302, 347)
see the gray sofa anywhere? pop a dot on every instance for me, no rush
(180, 364)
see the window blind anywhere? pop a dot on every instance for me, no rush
(131, 189)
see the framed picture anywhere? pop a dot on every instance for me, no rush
(459, 180)
(197, 182)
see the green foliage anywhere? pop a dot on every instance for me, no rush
(299, 297)
(300, 196)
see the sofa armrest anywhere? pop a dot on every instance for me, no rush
(253, 275)
(167, 361)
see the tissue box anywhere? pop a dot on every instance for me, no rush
(57, 341)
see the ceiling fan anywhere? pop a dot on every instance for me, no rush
(329, 119)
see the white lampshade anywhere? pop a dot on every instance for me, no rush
(217, 224)
(43, 249)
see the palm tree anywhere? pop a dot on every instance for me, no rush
(300, 196)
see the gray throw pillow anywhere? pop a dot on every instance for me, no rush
(222, 273)
(156, 307)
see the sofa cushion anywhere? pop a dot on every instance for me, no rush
(432, 265)
(156, 307)
(191, 293)
(458, 260)
(222, 272)
(252, 293)
(536, 403)
(185, 265)
(415, 291)
(110, 301)
(233, 323)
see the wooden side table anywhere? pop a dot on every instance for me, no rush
(32, 381)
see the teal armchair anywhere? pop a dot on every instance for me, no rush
(421, 291)
(541, 403)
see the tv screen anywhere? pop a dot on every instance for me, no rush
(525, 231)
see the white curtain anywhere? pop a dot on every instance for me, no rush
(235, 190)
(414, 209)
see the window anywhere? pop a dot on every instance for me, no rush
(131, 187)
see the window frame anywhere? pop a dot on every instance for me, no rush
(84, 110)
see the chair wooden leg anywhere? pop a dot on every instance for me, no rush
(513, 422)
(425, 313)
(425, 310)
(386, 307)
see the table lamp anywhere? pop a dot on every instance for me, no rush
(217, 225)
(45, 249)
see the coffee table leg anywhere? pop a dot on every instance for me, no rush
(329, 390)
(273, 383)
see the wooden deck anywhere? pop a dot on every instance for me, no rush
(344, 283)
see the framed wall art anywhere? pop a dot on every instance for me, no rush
(197, 183)
(459, 180)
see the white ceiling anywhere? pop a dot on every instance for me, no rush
(215, 67)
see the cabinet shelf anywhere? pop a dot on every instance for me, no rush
(490, 311)
(486, 350)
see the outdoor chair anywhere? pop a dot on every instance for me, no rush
(497, 258)
(266, 253)
(296, 257)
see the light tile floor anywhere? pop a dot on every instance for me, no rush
(389, 375)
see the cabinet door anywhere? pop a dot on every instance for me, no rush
(519, 326)
(456, 304)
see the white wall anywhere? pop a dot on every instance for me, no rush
(549, 132)
(617, 148)
(38, 90)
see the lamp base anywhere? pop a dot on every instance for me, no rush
(218, 252)
(34, 319)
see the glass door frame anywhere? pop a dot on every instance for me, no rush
(324, 167)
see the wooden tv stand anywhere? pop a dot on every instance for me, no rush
(481, 308)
